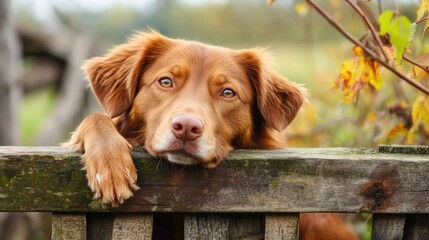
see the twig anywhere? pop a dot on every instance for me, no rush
(374, 56)
(424, 68)
(370, 27)
(421, 20)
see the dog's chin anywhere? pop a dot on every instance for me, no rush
(182, 158)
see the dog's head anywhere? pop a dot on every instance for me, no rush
(190, 102)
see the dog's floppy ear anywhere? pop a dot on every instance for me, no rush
(114, 77)
(278, 99)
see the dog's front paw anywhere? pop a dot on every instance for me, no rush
(111, 172)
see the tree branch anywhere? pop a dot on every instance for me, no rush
(424, 68)
(421, 20)
(370, 27)
(374, 56)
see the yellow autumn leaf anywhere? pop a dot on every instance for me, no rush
(302, 9)
(420, 117)
(424, 7)
(374, 75)
(420, 114)
(370, 73)
(371, 117)
(418, 73)
(349, 96)
(416, 109)
(398, 129)
(358, 51)
(346, 76)
(357, 74)
(270, 2)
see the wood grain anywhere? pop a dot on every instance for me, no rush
(224, 226)
(284, 180)
(281, 226)
(68, 226)
(388, 226)
(417, 227)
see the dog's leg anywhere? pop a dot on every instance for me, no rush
(323, 226)
(107, 157)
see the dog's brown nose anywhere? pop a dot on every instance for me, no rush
(187, 128)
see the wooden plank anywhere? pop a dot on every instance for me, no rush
(417, 227)
(115, 226)
(388, 226)
(68, 226)
(99, 225)
(224, 226)
(281, 226)
(132, 227)
(205, 226)
(284, 180)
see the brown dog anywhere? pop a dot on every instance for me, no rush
(188, 102)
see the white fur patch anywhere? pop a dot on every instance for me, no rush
(181, 159)
(98, 178)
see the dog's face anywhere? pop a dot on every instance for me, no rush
(193, 103)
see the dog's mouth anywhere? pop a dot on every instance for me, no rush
(182, 157)
(182, 152)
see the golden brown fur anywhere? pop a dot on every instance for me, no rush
(186, 101)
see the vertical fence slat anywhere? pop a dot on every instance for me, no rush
(388, 226)
(99, 225)
(68, 226)
(224, 226)
(417, 227)
(132, 227)
(281, 226)
(205, 226)
(119, 226)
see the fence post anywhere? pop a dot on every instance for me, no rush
(388, 226)
(115, 226)
(224, 226)
(68, 226)
(417, 227)
(281, 226)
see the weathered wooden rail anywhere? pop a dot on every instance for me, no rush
(254, 194)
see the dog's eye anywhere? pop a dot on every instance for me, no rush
(228, 93)
(166, 82)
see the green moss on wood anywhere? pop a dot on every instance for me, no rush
(277, 180)
(403, 149)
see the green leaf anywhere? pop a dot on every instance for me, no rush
(400, 30)
(384, 21)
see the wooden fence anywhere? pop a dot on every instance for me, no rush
(254, 194)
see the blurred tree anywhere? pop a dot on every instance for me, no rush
(9, 69)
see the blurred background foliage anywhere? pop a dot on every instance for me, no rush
(305, 48)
